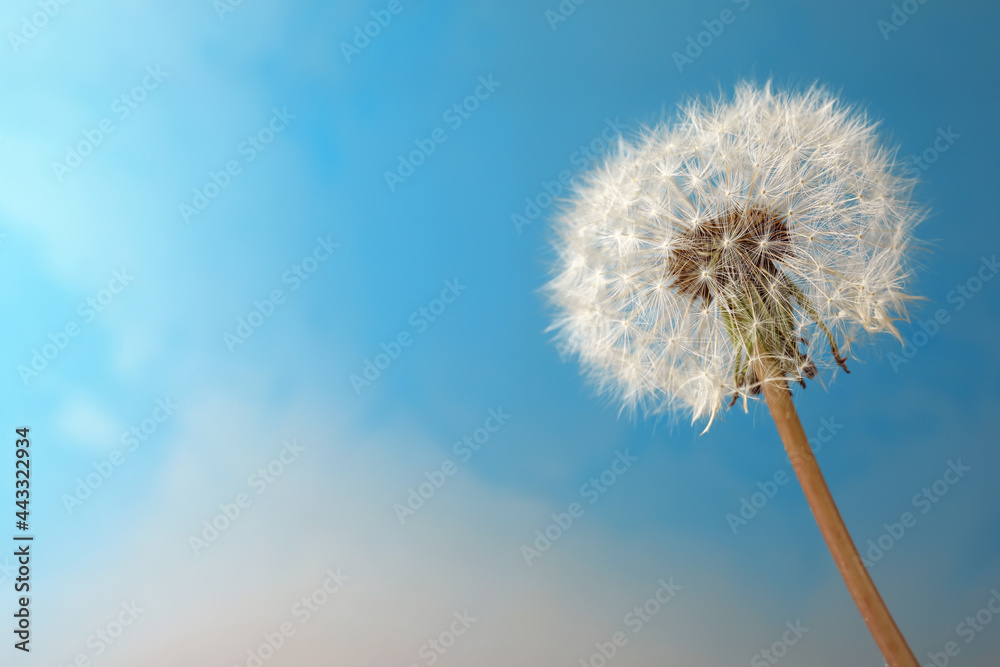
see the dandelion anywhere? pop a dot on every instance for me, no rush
(744, 247)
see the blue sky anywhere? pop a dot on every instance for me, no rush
(259, 111)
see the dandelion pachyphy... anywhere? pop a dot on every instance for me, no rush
(746, 246)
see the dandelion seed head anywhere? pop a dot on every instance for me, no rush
(774, 222)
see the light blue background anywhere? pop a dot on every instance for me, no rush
(163, 336)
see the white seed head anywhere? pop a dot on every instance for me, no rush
(775, 224)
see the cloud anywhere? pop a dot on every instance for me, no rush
(81, 421)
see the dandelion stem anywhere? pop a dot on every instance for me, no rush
(880, 622)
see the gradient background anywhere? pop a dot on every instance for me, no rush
(332, 508)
